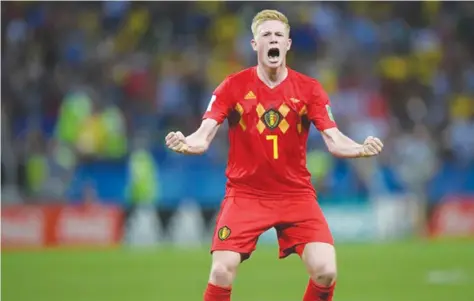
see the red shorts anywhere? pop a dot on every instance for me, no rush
(242, 220)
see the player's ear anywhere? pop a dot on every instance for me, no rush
(254, 44)
(288, 47)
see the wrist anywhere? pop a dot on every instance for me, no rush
(194, 148)
(361, 151)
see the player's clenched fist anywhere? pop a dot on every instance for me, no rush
(176, 142)
(372, 146)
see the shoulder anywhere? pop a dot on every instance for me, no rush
(240, 76)
(310, 88)
(304, 80)
(234, 82)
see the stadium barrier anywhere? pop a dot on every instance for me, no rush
(453, 217)
(384, 218)
(93, 225)
(39, 226)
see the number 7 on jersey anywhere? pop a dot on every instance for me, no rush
(274, 139)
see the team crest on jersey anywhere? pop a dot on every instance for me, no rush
(272, 118)
(223, 233)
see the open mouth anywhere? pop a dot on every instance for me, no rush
(273, 54)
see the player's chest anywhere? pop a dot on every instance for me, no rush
(263, 110)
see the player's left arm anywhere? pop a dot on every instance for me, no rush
(338, 144)
(342, 146)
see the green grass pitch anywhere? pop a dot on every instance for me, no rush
(408, 271)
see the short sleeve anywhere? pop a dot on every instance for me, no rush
(319, 109)
(220, 103)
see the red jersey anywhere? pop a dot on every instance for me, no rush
(268, 131)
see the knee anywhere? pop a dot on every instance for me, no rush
(222, 274)
(320, 260)
(323, 273)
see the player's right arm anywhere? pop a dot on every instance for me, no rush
(217, 111)
(195, 144)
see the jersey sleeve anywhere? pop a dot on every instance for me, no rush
(220, 104)
(319, 109)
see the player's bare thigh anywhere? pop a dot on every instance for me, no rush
(307, 233)
(320, 261)
(224, 268)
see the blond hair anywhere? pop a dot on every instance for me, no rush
(268, 15)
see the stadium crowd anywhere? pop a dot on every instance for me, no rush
(90, 88)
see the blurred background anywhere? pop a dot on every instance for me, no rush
(90, 89)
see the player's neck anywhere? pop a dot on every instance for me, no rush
(272, 77)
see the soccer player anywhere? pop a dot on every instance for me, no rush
(269, 108)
